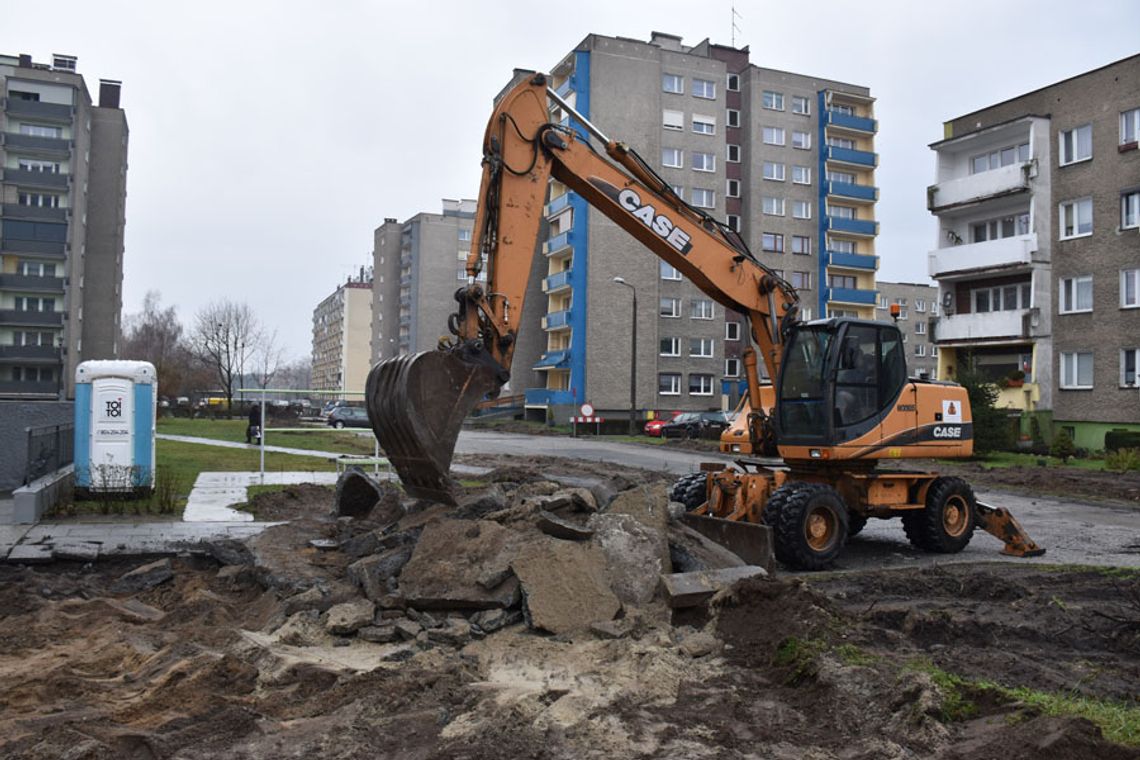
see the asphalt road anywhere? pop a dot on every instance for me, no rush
(1072, 532)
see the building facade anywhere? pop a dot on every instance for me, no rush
(63, 196)
(918, 305)
(342, 336)
(1038, 252)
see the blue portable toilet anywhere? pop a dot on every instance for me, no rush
(115, 407)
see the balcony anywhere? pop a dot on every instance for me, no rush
(55, 145)
(852, 157)
(29, 388)
(558, 243)
(16, 211)
(564, 89)
(557, 205)
(25, 178)
(854, 192)
(548, 397)
(31, 354)
(35, 318)
(852, 295)
(31, 284)
(848, 121)
(405, 279)
(979, 187)
(990, 325)
(55, 112)
(853, 261)
(556, 320)
(553, 359)
(860, 227)
(993, 254)
(556, 282)
(1024, 398)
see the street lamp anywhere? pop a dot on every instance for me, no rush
(632, 361)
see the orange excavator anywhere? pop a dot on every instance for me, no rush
(841, 403)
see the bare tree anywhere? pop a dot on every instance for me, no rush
(225, 337)
(297, 374)
(268, 357)
(155, 335)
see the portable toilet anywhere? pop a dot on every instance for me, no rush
(115, 407)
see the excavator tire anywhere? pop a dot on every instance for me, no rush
(855, 524)
(777, 501)
(947, 524)
(811, 527)
(691, 490)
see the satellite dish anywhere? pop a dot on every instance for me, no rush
(948, 299)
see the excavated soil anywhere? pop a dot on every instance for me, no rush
(1081, 485)
(827, 666)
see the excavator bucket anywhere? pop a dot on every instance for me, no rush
(416, 404)
(1001, 524)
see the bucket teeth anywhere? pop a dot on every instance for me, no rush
(416, 405)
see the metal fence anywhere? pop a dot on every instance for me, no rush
(49, 448)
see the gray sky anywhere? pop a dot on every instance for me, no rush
(268, 139)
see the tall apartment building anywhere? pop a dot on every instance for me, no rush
(342, 336)
(918, 305)
(786, 159)
(1037, 200)
(62, 219)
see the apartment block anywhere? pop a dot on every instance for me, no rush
(62, 217)
(785, 159)
(1037, 257)
(342, 336)
(918, 305)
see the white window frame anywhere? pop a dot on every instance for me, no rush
(732, 117)
(705, 348)
(806, 245)
(772, 100)
(1076, 205)
(1130, 210)
(703, 379)
(1135, 367)
(1072, 136)
(777, 205)
(779, 136)
(703, 197)
(678, 157)
(673, 120)
(733, 222)
(668, 271)
(920, 305)
(1070, 294)
(920, 350)
(707, 124)
(675, 308)
(704, 89)
(801, 175)
(730, 80)
(920, 328)
(732, 153)
(805, 313)
(675, 378)
(778, 171)
(703, 162)
(1134, 276)
(1130, 126)
(731, 367)
(676, 347)
(732, 331)
(676, 79)
(732, 188)
(803, 138)
(796, 99)
(702, 312)
(801, 209)
(679, 190)
(1072, 381)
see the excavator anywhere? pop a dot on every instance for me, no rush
(841, 408)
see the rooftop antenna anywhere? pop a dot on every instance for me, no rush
(735, 28)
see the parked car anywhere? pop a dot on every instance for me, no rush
(653, 427)
(696, 425)
(348, 416)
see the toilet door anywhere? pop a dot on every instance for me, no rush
(112, 441)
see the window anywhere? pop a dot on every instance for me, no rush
(841, 281)
(704, 162)
(36, 269)
(773, 101)
(732, 188)
(674, 83)
(772, 242)
(732, 83)
(843, 246)
(1076, 370)
(673, 120)
(801, 280)
(732, 331)
(801, 209)
(733, 221)
(703, 88)
(805, 313)
(732, 368)
(772, 135)
(920, 349)
(1076, 294)
(841, 212)
(841, 142)
(678, 190)
(1002, 298)
(995, 159)
(773, 171)
(674, 158)
(704, 198)
(843, 108)
(732, 153)
(669, 384)
(670, 307)
(670, 347)
(1002, 227)
(801, 175)
(704, 125)
(700, 385)
(32, 165)
(464, 236)
(701, 308)
(38, 200)
(920, 328)
(801, 105)
(834, 176)
(920, 305)
(732, 118)
(934, 308)
(1076, 218)
(801, 244)
(701, 348)
(1130, 288)
(1130, 210)
(801, 140)
(1130, 126)
(41, 130)
(883, 302)
(668, 272)
(1128, 361)
(1076, 144)
(934, 351)
(772, 206)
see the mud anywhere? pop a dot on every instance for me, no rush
(1081, 485)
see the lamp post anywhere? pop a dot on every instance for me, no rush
(632, 361)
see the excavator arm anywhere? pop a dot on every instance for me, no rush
(417, 403)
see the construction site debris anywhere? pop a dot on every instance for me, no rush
(555, 526)
(690, 551)
(374, 575)
(565, 585)
(749, 541)
(694, 589)
(699, 643)
(450, 559)
(349, 617)
(358, 494)
(228, 551)
(489, 621)
(142, 578)
(635, 555)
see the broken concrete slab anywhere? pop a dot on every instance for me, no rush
(565, 585)
(700, 644)
(481, 504)
(142, 578)
(237, 576)
(371, 574)
(553, 525)
(490, 621)
(450, 559)
(581, 499)
(228, 551)
(349, 617)
(85, 551)
(454, 632)
(648, 503)
(31, 554)
(378, 634)
(301, 629)
(691, 551)
(358, 495)
(694, 589)
(612, 629)
(635, 556)
(407, 629)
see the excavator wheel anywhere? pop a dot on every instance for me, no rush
(811, 527)
(777, 501)
(855, 524)
(691, 490)
(947, 524)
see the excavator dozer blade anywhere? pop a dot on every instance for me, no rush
(416, 404)
(752, 542)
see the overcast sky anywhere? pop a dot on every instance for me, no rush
(269, 139)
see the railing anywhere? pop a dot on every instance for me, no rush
(31, 142)
(57, 112)
(558, 204)
(558, 243)
(31, 283)
(852, 156)
(556, 281)
(14, 317)
(1001, 253)
(556, 319)
(852, 295)
(853, 226)
(849, 121)
(849, 190)
(852, 260)
(29, 352)
(29, 178)
(49, 449)
(548, 396)
(54, 248)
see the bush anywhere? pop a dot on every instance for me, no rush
(991, 425)
(1122, 460)
(1063, 447)
(1115, 440)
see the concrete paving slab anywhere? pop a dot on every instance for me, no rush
(31, 553)
(10, 535)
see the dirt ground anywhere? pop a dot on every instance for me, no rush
(1073, 483)
(879, 664)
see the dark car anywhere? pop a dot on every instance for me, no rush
(696, 425)
(348, 416)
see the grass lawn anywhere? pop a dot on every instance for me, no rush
(347, 441)
(1004, 459)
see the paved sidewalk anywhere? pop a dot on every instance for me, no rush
(238, 445)
(214, 492)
